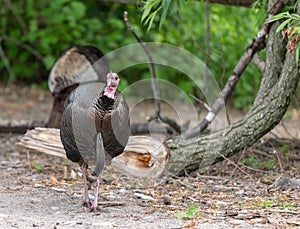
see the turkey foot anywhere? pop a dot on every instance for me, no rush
(87, 203)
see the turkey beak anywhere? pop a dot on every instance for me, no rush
(108, 83)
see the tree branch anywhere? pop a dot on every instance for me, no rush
(17, 16)
(237, 72)
(207, 46)
(259, 62)
(22, 45)
(151, 66)
(191, 154)
(5, 60)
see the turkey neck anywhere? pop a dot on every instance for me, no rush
(103, 106)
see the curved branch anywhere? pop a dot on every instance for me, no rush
(189, 155)
(259, 62)
(237, 72)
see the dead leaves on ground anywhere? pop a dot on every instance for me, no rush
(222, 196)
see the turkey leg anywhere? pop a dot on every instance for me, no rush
(100, 162)
(86, 200)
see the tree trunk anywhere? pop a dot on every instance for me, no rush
(278, 85)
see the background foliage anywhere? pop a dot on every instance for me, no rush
(34, 32)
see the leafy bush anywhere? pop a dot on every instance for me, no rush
(34, 32)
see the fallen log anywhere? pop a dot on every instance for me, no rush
(19, 126)
(143, 156)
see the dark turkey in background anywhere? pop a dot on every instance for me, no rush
(76, 64)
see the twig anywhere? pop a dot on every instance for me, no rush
(25, 46)
(151, 66)
(280, 164)
(274, 210)
(235, 167)
(207, 47)
(28, 159)
(238, 167)
(259, 62)
(223, 74)
(237, 72)
(11, 75)
(223, 62)
(205, 105)
(4, 21)
(17, 16)
(253, 169)
(262, 153)
(286, 129)
(212, 177)
(5, 60)
(274, 134)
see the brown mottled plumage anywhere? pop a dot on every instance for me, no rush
(75, 65)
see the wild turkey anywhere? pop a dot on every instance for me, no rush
(95, 128)
(74, 65)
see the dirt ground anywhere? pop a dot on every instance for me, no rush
(40, 191)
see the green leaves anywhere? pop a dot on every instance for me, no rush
(192, 212)
(150, 11)
(37, 166)
(159, 8)
(78, 9)
(40, 31)
(283, 24)
(290, 28)
(251, 161)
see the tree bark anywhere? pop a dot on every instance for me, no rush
(278, 86)
(275, 52)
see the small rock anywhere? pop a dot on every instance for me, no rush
(104, 225)
(16, 188)
(236, 221)
(240, 192)
(36, 177)
(55, 208)
(144, 197)
(73, 175)
(35, 200)
(39, 185)
(3, 216)
(123, 191)
(91, 196)
(166, 201)
(58, 189)
(76, 195)
(285, 183)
